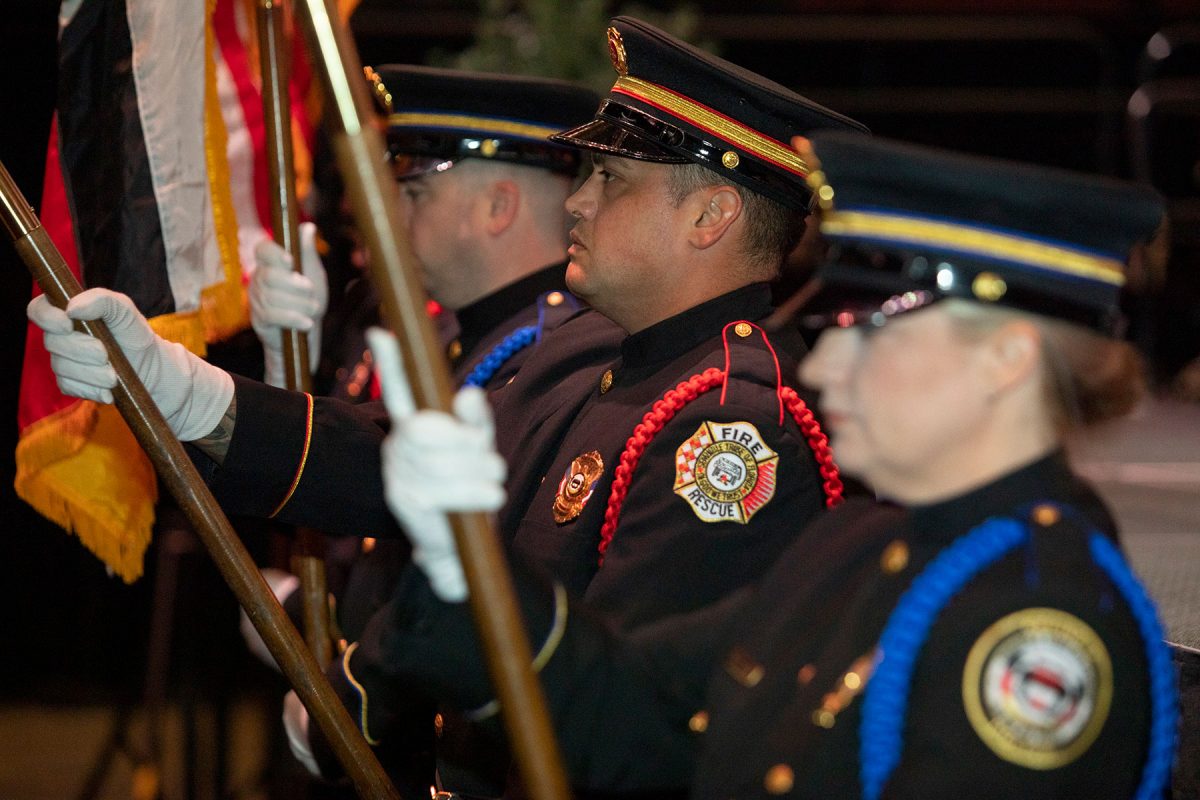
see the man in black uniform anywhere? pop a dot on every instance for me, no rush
(675, 241)
(987, 640)
(482, 196)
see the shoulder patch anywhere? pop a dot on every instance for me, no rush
(1037, 687)
(577, 485)
(726, 472)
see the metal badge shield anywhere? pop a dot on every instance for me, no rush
(726, 472)
(577, 485)
(1037, 687)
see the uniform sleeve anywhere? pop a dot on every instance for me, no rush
(1033, 684)
(305, 461)
(718, 494)
(621, 706)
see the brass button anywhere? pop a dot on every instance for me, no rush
(894, 557)
(743, 329)
(852, 680)
(554, 299)
(779, 779)
(454, 350)
(744, 669)
(606, 381)
(439, 725)
(988, 286)
(806, 674)
(823, 718)
(489, 147)
(368, 544)
(1046, 515)
(699, 722)
(730, 159)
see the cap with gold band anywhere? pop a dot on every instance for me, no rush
(908, 226)
(436, 117)
(674, 103)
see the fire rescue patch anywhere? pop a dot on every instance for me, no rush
(577, 485)
(726, 472)
(1037, 687)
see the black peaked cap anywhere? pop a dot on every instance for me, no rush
(674, 103)
(911, 225)
(450, 114)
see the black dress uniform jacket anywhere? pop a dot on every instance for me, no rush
(331, 453)
(540, 299)
(663, 559)
(761, 705)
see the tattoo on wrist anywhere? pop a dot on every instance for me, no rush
(216, 444)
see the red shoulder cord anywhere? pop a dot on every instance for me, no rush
(671, 403)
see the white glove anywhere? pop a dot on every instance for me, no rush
(282, 298)
(434, 463)
(191, 393)
(295, 725)
(282, 584)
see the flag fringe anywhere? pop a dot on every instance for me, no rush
(82, 469)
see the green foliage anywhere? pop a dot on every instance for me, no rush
(554, 38)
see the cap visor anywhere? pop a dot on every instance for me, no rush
(833, 301)
(604, 136)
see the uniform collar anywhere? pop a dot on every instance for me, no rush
(1048, 478)
(676, 335)
(483, 316)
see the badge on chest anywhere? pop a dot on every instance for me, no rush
(726, 472)
(577, 485)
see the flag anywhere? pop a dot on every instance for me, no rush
(155, 187)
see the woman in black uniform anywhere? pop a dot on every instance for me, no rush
(978, 633)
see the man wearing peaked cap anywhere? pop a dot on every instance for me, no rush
(482, 192)
(979, 636)
(692, 203)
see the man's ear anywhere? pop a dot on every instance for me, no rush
(503, 199)
(713, 210)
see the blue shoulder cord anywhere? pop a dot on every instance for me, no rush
(515, 342)
(886, 699)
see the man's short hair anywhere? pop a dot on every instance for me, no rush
(772, 230)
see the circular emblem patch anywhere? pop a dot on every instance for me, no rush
(725, 471)
(577, 485)
(1037, 687)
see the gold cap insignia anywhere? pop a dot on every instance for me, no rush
(988, 286)
(730, 159)
(379, 92)
(616, 51)
(577, 485)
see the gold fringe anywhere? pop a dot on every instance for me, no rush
(82, 469)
